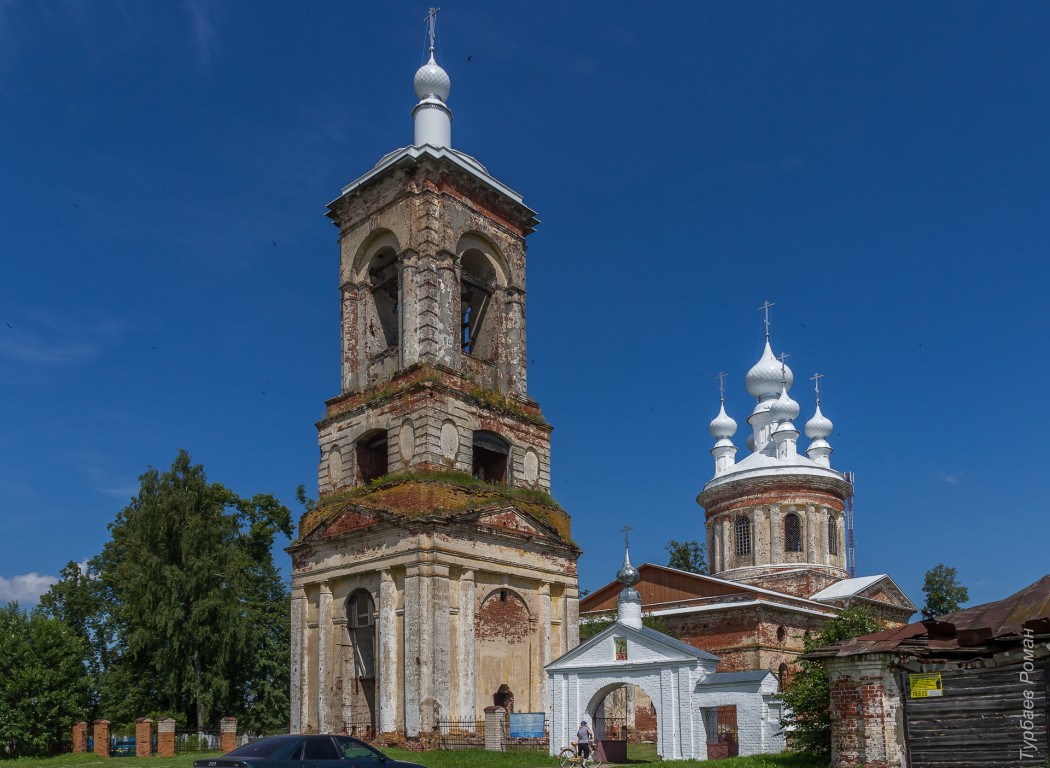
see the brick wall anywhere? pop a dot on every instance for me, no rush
(865, 713)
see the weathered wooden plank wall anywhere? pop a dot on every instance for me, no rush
(978, 720)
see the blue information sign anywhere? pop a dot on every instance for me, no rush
(526, 725)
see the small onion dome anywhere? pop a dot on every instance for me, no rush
(432, 80)
(768, 376)
(722, 426)
(750, 443)
(627, 575)
(783, 408)
(819, 427)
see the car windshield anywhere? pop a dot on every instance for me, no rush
(353, 749)
(277, 747)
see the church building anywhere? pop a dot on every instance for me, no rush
(435, 576)
(776, 527)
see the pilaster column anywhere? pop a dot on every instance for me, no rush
(712, 546)
(413, 650)
(441, 653)
(571, 623)
(543, 621)
(727, 542)
(467, 657)
(811, 534)
(776, 537)
(296, 668)
(325, 650)
(387, 650)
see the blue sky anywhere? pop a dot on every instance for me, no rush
(878, 170)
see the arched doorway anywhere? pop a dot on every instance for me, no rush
(359, 678)
(623, 714)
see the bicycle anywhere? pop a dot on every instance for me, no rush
(570, 756)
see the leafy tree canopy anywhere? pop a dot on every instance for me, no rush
(44, 686)
(687, 556)
(184, 609)
(591, 628)
(808, 696)
(944, 593)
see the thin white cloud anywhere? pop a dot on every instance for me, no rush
(40, 338)
(124, 492)
(26, 588)
(952, 478)
(204, 36)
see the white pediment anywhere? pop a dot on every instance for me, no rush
(621, 646)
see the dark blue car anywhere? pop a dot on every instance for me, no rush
(304, 752)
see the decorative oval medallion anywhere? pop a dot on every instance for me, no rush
(449, 440)
(406, 440)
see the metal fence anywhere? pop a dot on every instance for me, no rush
(194, 741)
(461, 734)
(359, 729)
(610, 728)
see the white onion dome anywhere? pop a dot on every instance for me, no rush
(750, 442)
(722, 426)
(819, 427)
(768, 376)
(432, 80)
(783, 408)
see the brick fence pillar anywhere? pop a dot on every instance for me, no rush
(494, 728)
(102, 738)
(79, 737)
(143, 737)
(228, 734)
(166, 737)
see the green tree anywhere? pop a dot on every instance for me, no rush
(808, 696)
(44, 685)
(944, 593)
(194, 611)
(687, 556)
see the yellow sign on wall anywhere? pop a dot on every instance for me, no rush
(926, 686)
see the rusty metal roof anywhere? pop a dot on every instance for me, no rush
(967, 630)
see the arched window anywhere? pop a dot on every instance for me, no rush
(792, 533)
(478, 316)
(371, 452)
(743, 536)
(833, 536)
(360, 625)
(782, 676)
(490, 457)
(383, 283)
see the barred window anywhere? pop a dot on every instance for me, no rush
(833, 536)
(743, 536)
(792, 533)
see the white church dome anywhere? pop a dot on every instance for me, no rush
(783, 408)
(768, 376)
(432, 80)
(723, 425)
(819, 427)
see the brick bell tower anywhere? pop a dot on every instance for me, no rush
(776, 519)
(436, 576)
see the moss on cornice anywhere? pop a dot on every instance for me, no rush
(417, 495)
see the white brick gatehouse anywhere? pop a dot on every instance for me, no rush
(678, 678)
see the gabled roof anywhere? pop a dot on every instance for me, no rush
(674, 649)
(847, 587)
(670, 588)
(865, 587)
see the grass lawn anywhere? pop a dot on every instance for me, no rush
(640, 754)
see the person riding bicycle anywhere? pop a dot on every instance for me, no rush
(584, 736)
